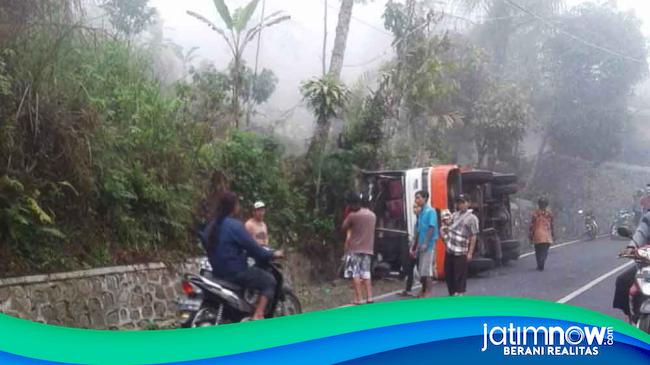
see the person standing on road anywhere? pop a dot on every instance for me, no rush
(411, 260)
(541, 232)
(256, 225)
(360, 247)
(460, 238)
(425, 240)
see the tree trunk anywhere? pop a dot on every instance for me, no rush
(321, 135)
(249, 107)
(236, 90)
(319, 140)
(325, 40)
(341, 39)
(540, 152)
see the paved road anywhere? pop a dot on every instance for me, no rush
(579, 273)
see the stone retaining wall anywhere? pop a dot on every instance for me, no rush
(125, 297)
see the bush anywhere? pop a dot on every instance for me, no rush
(93, 142)
(252, 166)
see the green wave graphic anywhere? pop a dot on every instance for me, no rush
(79, 346)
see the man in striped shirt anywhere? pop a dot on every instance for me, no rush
(460, 238)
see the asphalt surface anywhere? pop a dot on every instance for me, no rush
(578, 273)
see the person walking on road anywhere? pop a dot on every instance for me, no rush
(256, 225)
(425, 239)
(460, 239)
(359, 248)
(541, 232)
(411, 260)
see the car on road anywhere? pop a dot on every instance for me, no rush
(392, 196)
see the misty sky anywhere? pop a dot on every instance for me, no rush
(293, 49)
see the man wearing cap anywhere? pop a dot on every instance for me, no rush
(460, 238)
(256, 225)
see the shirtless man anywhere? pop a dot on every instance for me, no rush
(256, 226)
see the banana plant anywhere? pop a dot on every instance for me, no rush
(238, 33)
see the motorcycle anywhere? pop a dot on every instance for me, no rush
(210, 301)
(590, 225)
(640, 290)
(623, 218)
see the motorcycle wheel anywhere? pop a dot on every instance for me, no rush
(644, 323)
(208, 316)
(289, 306)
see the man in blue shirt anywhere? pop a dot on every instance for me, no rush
(426, 236)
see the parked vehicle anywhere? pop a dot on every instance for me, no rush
(640, 290)
(392, 195)
(622, 218)
(590, 230)
(210, 301)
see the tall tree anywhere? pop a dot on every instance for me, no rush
(129, 17)
(239, 33)
(592, 64)
(507, 19)
(323, 125)
(419, 89)
(341, 38)
(326, 97)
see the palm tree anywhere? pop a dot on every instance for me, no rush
(326, 97)
(238, 34)
(341, 38)
(323, 125)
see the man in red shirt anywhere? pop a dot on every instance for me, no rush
(541, 232)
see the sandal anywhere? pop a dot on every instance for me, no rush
(370, 301)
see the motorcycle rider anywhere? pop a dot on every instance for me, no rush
(228, 245)
(625, 280)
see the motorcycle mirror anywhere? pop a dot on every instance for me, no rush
(624, 232)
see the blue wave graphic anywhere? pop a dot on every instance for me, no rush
(458, 339)
(447, 339)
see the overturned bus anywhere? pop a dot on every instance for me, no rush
(392, 196)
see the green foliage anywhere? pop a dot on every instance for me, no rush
(129, 17)
(239, 35)
(501, 116)
(512, 34)
(418, 83)
(208, 96)
(145, 170)
(364, 134)
(5, 79)
(590, 88)
(22, 220)
(324, 96)
(253, 167)
(112, 157)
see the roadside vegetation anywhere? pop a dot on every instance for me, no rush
(105, 161)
